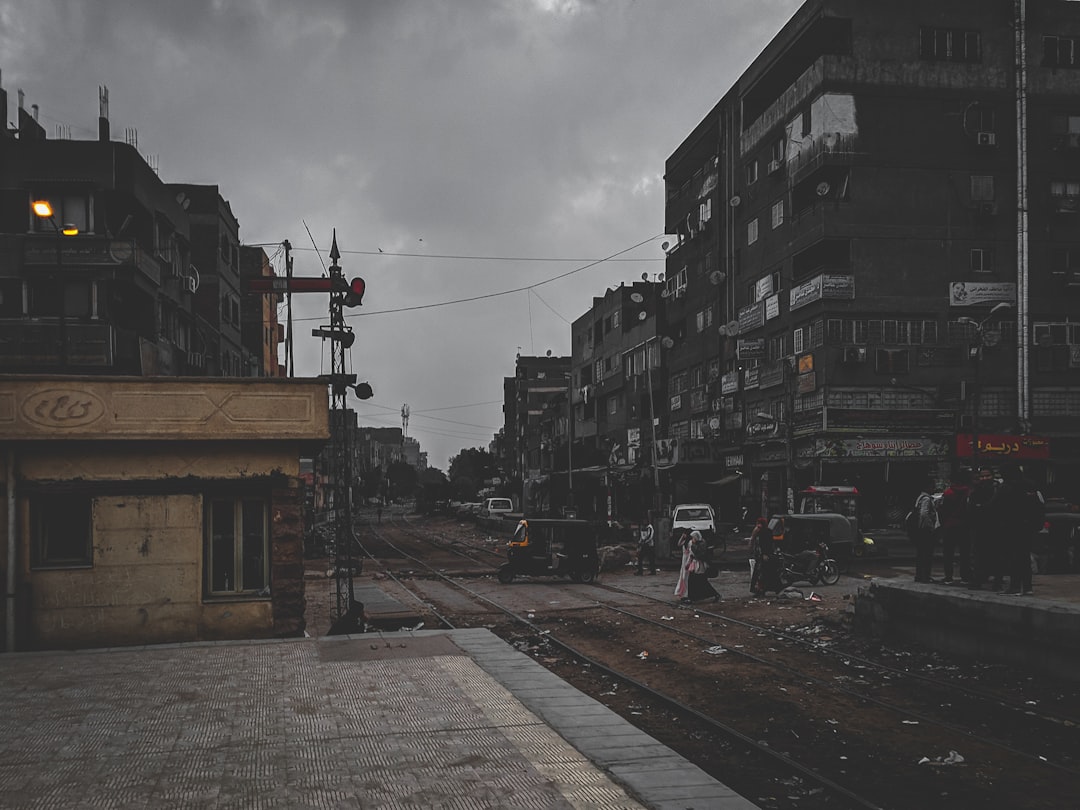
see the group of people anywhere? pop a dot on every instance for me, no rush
(694, 570)
(986, 529)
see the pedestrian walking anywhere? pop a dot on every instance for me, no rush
(646, 547)
(758, 537)
(955, 517)
(698, 587)
(923, 528)
(683, 544)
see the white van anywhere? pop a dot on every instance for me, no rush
(693, 517)
(496, 507)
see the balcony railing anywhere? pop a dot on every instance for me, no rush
(36, 346)
(89, 251)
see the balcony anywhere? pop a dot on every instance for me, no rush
(37, 345)
(80, 252)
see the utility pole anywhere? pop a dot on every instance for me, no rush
(288, 309)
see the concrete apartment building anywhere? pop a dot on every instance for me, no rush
(875, 266)
(147, 282)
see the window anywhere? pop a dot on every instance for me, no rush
(982, 188)
(981, 260)
(615, 319)
(704, 319)
(979, 118)
(675, 285)
(751, 231)
(1065, 196)
(778, 213)
(751, 172)
(678, 383)
(11, 298)
(797, 341)
(1065, 131)
(697, 376)
(950, 45)
(705, 211)
(1061, 52)
(1065, 260)
(612, 405)
(892, 361)
(598, 370)
(238, 558)
(61, 528)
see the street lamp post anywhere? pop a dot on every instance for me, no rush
(43, 210)
(976, 353)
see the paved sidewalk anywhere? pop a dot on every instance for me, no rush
(456, 720)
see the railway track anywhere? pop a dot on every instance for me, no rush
(776, 716)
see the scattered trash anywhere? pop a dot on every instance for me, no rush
(952, 759)
(716, 650)
(532, 615)
(910, 722)
(813, 597)
(417, 627)
(667, 618)
(643, 655)
(833, 722)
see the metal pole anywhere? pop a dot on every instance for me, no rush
(569, 442)
(1023, 343)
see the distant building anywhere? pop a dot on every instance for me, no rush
(260, 331)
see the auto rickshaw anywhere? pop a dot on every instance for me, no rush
(544, 547)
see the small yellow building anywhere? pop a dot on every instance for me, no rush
(152, 510)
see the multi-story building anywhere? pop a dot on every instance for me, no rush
(260, 331)
(883, 210)
(103, 283)
(536, 380)
(215, 252)
(119, 273)
(617, 392)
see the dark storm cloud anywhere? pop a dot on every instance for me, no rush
(528, 128)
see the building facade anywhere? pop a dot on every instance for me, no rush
(144, 511)
(127, 275)
(879, 218)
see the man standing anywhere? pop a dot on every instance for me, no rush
(984, 533)
(1019, 511)
(924, 533)
(956, 526)
(646, 546)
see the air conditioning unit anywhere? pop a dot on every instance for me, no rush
(986, 138)
(854, 354)
(189, 284)
(987, 209)
(774, 165)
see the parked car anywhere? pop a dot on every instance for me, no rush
(697, 517)
(496, 508)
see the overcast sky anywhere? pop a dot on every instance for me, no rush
(461, 148)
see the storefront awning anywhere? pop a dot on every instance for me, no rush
(727, 479)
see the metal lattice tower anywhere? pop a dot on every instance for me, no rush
(345, 605)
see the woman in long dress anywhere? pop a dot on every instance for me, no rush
(698, 586)
(681, 585)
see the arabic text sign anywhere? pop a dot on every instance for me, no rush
(980, 293)
(994, 446)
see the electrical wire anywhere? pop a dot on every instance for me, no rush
(612, 257)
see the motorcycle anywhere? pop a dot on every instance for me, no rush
(811, 565)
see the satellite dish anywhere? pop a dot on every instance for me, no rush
(660, 277)
(642, 316)
(667, 342)
(637, 297)
(180, 197)
(732, 327)
(723, 330)
(186, 204)
(822, 188)
(549, 352)
(644, 276)
(664, 245)
(735, 201)
(194, 276)
(714, 423)
(715, 277)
